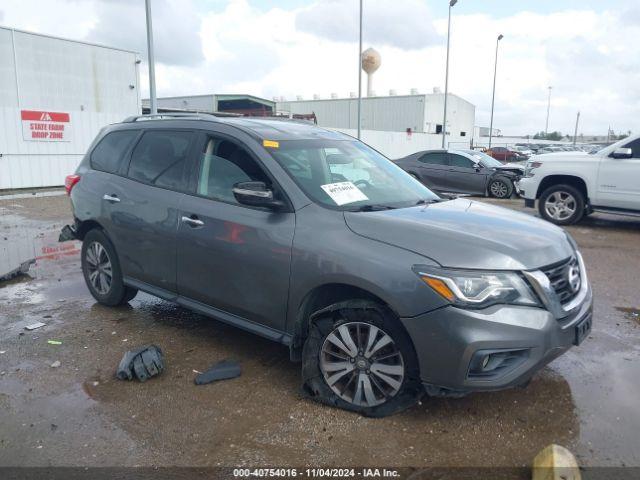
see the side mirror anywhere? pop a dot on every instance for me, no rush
(622, 153)
(477, 166)
(256, 194)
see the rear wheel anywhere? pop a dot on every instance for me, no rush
(562, 204)
(501, 188)
(359, 359)
(101, 270)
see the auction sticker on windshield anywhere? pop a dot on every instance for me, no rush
(344, 192)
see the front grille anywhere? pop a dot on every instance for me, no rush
(565, 278)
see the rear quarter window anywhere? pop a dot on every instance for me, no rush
(108, 155)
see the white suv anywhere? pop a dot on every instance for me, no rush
(570, 185)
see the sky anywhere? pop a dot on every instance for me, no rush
(587, 50)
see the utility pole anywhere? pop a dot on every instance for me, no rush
(493, 96)
(546, 127)
(446, 78)
(575, 132)
(153, 101)
(360, 76)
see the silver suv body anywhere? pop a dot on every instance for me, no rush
(310, 238)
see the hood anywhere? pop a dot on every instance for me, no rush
(463, 233)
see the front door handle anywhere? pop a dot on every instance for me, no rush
(192, 221)
(111, 198)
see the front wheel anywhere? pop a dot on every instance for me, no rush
(358, 358)
(561, 204)
(101, 270)
(501, 188)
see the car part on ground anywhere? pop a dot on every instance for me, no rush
(141, 363)
(223, 370)
(366, 364)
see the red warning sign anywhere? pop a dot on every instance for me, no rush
(41, 126)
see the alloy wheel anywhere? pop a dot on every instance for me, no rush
(362, 364)
(560, 205)
(99, 268)
(499, 189)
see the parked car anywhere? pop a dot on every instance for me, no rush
(307, 237)
(505, 154)
(569, 186)
(524, 151)
(461, 171)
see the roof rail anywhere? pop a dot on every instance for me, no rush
(164, 116)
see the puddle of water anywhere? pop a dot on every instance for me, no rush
(630, 313)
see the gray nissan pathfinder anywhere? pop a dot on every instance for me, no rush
(383, 290)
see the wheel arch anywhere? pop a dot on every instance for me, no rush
(84, 227)
(327, 297)
(573, 180)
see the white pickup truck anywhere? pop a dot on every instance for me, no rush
(570, 185)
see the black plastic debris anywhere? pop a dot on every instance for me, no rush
(223, 370)
(141, 363)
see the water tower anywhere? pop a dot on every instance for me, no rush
(370, 63)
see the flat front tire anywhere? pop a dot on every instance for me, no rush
(357, 357)
(562, 204)
(101, 270)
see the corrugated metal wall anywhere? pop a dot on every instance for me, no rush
(95, 85)
(393, 114)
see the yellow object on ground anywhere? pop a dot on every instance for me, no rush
(555, 463)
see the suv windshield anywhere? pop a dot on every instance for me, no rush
(349, 175)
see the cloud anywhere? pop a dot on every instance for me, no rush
(405, 24)
(176, 29)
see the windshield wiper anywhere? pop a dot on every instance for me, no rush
(373, 208)
(427, 202)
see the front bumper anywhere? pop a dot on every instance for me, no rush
(446, 340)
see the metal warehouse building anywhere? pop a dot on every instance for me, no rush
(55, 95)
(220, 103)
(412, 114)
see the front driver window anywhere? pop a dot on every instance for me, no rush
(224, 164)
(460, 161)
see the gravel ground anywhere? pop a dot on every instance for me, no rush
(78, 415)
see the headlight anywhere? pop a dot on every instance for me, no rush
(478, 289)
(531, 165)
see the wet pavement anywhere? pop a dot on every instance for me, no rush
(79, 414)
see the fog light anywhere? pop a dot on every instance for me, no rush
(493, 363)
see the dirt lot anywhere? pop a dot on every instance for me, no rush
(78, 414)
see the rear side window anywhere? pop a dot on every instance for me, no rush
(109, 153)
(434, 158)
(635, 147)
(160, 157)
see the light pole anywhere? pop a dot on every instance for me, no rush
(493, 96)
(446, 77)
(546, 126)
(575, 132)
(153, 102)
(360, 75)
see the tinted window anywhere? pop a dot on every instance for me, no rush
(224, 164)
(635, 146)
(460, 161)
(434, 158)
(160, 158)
(108, 154)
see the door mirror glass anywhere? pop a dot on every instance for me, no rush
(622, 153)
(255, 194)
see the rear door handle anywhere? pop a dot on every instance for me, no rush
(192, 221)
(111, 198)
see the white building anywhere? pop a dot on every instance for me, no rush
(55, 96)
(397, 125)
